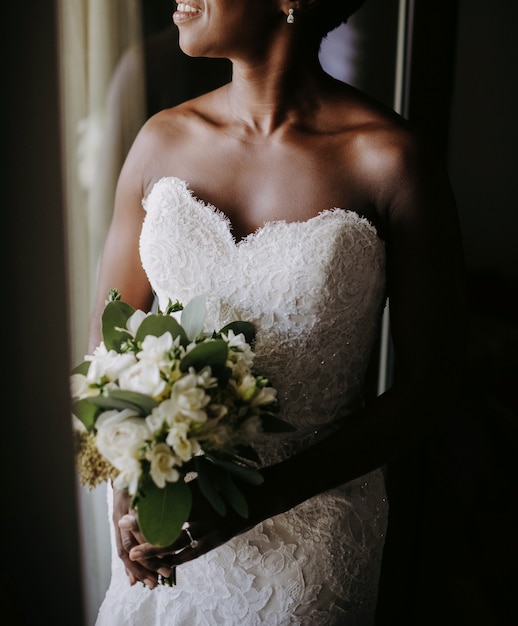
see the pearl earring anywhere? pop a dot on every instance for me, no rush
(290, 19)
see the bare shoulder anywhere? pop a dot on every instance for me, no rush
(382, 143)
(395, 163)
(183, 120)
(167, 140)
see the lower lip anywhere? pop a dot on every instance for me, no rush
(184, 16)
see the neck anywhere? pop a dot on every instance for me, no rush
(269, 92)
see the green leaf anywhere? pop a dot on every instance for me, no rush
(82, 368)
(211, 481)
(86, 411)
(247, 474)
(247, 328)
(272, 424)
(120, 399)
(248, 453)
(162, 512)
(235, 497)
(213, 353)
(157, 325)
(193, 317)
(133, 400)
(115, 316)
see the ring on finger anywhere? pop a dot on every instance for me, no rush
(193, 542)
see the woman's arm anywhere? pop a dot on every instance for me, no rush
(120, 266)
(425, 279)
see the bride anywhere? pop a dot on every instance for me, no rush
(296, 202)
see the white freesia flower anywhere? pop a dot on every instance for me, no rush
(81, 388)
(178, 439)
(165, 413)
(78, 425)
(143, 377)
(189, 399)
(155, 349)
(163, 464)
(121, 435)
(247, 387)
(242, 353)
(156, 419)
(107, 363)
(130, 471)
(266, 395)
(205, 378)
(134, 321)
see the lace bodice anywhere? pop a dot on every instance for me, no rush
(315, 292)
(313, 289)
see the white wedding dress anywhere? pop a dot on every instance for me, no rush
(315, 291)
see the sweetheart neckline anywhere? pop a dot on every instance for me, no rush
(218, 213)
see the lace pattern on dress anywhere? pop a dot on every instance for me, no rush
(315, 292)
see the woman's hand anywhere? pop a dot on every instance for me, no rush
(127, 536)
(205, 531)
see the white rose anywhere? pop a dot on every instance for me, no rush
(143, 377)
(162, 465)
(121, 435)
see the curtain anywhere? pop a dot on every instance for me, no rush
(103, 106)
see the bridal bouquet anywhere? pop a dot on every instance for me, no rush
(161, 402)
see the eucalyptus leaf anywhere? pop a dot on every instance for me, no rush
(113, 402)
(247, 474)
(115, 315)
(211, 482)
(247, 452)
(85, 411)
(238, 326)
(235, 497)
(157, 325)
(273, 424)
(213, 353)
(193, 317)
(141, 401)
(82, 368)
(161, 513)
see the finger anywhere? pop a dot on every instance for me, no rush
(147, 552)
(129, 524)
(197, 547)
(136, 571)
(139, 572)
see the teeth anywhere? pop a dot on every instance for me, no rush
(185, 8)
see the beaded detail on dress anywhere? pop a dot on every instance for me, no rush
(315, 291)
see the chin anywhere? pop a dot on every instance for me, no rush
(191, 49)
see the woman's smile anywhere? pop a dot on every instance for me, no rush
(185, 11)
